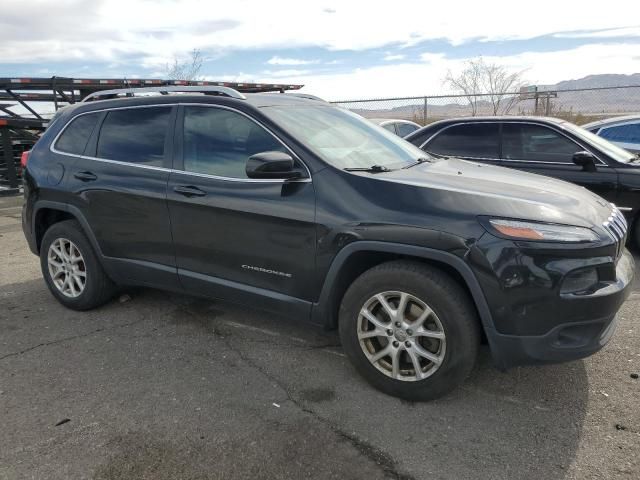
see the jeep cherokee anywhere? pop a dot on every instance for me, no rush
(291, 205)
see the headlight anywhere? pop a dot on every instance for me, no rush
(519, 230)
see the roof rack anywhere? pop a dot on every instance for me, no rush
(165, 90)
(307, 96)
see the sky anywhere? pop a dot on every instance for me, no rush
(338, 49)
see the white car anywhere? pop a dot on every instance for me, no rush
(623, 131)
(402, 128)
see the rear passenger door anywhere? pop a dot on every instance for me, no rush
(472, 141)
(120, 185)
(546, 151)
(240, 239)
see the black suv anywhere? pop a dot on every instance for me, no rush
(547, 146)
(294, 206)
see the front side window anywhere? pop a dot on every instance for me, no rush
(342, 138)
(219, 142)
(471, 140)
(536, 143)
(74, 138)
(629, 133)
(135, 135)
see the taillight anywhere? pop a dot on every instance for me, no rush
(24, 157)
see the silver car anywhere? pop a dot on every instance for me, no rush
(402, 128)
(623, 131)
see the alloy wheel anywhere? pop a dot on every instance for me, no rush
(67, 267)
(401, 336)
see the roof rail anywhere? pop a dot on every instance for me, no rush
(307, 96)
(165, 90)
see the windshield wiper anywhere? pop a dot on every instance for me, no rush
(418, 162)
(372, 169)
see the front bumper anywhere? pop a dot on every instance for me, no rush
(535, 324)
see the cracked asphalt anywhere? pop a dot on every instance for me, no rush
(162, 386)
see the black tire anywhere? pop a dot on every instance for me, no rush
(446, 298)
(98, 288)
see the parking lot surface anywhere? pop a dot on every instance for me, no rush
(162, 386)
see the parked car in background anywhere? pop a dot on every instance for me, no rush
(402, 128)
(546, 146)
(295, 206)
(623, 131)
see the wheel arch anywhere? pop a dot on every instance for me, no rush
(47, 213)
(359, 256)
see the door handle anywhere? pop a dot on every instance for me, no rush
(86, 176)
(189, 191)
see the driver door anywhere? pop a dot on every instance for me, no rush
(245, 240)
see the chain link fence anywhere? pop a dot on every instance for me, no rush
(577, 105)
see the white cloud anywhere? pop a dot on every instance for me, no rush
(426, 78)
(290, 61)
(112, 29)
(291, 72)
(390, 58)
(613, 32)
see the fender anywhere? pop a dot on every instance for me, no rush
(321, 311)
(73, 210)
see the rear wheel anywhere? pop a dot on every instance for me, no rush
(71, 268)
(410, 330)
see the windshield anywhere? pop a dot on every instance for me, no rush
(617, 153)
(344, 139)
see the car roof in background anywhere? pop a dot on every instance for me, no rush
(482, 119)
(380, 121)
(611, 121)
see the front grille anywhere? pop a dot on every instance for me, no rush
(617, 227)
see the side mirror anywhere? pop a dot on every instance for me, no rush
(271, 165)
(586, 160)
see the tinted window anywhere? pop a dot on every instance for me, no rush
(75, 137)
(478, 140)
(219, 142)
(405, 129)
(135, 135)
(390, 126)
(629, 133)
(536, 143)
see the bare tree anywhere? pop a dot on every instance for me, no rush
(498, 83)
(468, 83)
(188, 69)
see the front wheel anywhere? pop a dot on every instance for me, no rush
(410, 330)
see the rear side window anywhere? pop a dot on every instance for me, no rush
(219, 142)
(629, 133)
(75, 137)
(478, 140)
(135, 135)
(536, 143)
(405, 129)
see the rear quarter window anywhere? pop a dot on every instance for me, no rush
(76, 135)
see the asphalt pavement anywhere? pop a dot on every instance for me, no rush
(161, 386)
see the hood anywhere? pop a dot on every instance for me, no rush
(504, 192)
